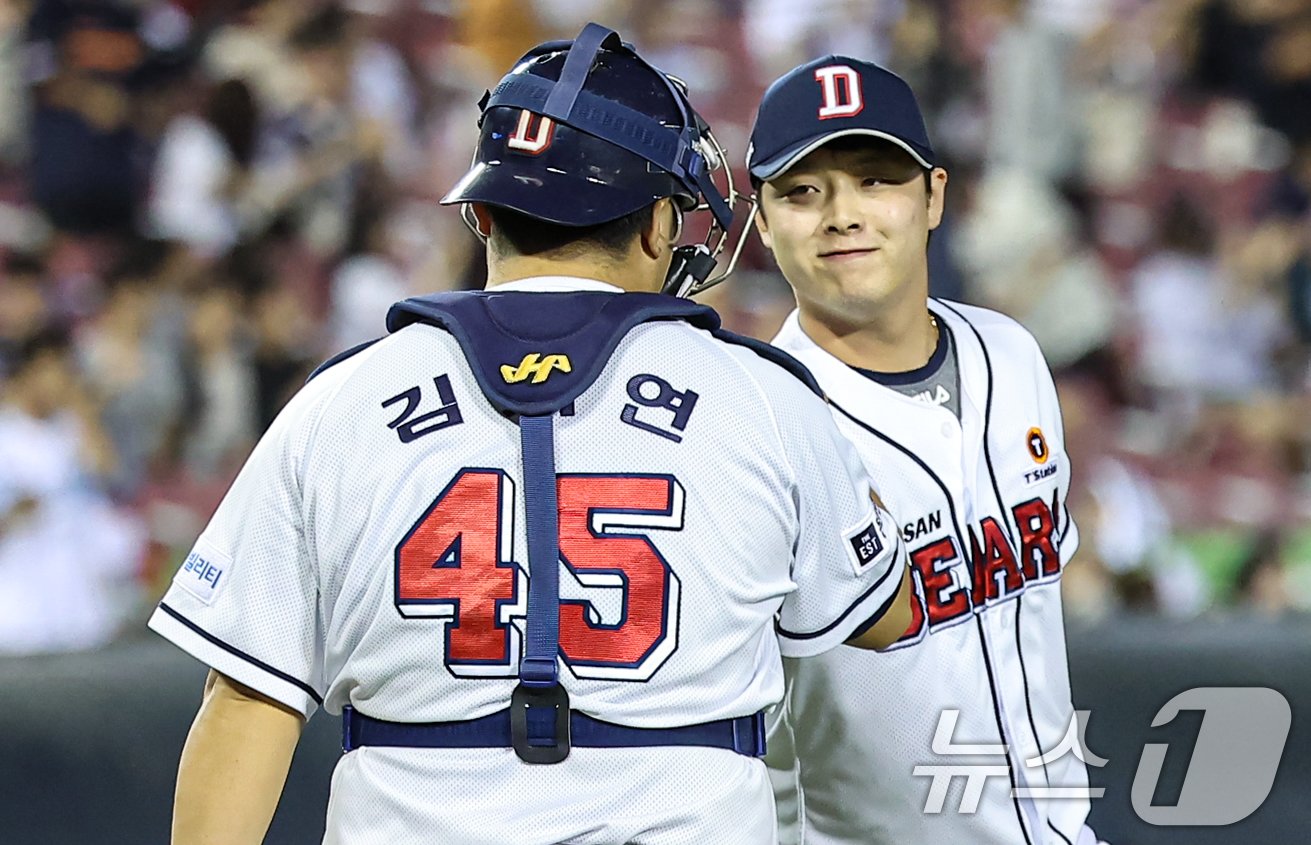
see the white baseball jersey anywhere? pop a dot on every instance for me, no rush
(372, 553)
(980, 504)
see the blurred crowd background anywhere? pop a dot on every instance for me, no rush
(202, 199)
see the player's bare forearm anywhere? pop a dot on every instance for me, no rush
(234, 765)
(893, 623)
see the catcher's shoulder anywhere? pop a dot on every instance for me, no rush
(767, 361)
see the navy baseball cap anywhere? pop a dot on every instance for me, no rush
(829, 98)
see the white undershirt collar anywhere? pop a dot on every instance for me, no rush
(555, 284)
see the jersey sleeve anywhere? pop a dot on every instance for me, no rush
(1067, 532)
(848, 557)
(245, 600)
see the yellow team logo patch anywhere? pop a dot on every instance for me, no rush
(536, 367)
(1038, 446)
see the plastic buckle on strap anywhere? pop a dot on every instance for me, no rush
(538, 672)
(532, 749)
(691, 161)
(749, 735)
(347, 735)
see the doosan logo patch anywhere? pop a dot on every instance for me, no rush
(204, 572)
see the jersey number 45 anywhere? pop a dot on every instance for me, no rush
(457, 563)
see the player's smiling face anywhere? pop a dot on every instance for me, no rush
(849, 223)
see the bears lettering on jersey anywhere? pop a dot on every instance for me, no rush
(946, 596)
(952, 589)
(996, 571)
(1038, 525)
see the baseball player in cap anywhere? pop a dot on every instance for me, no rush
(953, 409)
(541, 546)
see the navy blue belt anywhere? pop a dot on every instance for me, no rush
(745, 734)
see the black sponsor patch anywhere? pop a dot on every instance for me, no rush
(867, 545)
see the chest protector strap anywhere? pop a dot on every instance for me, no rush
(533, 354)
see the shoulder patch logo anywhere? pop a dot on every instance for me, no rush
(204, 572)
(535, 366)
(866, 546)
(1037, 446)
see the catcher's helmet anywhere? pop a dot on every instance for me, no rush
(583, 132)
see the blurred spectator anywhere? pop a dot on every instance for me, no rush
(384, 99)
(1199, 331)
(204, 167)
(221, 399)
(1262, 584)
(1131, 179)
(326, 133)
(784, 33)
(13, 94)
(284, 355)
(1280, 246)
(1031, 105)
(131, 364)
(1126, 557)
(253, 46)
(1260, 51)
(366, 282)
(1299, 297)
(24, 310)
(494, 33)
(86, 161)
(67, 559)
(1020, 247)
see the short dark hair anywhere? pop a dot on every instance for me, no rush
(518, 234)
(1185, 228)
(1265, 551)
(48, 340)
(19, 263)
(140, 262)
(233, 112)
(324, 29)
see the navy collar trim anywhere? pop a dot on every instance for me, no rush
(924, 373)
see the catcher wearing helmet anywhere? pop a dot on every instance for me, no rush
(542, 546)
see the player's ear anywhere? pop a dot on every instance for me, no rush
(762, 224)
(482, 218)
(661, 232)
(937, 196)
